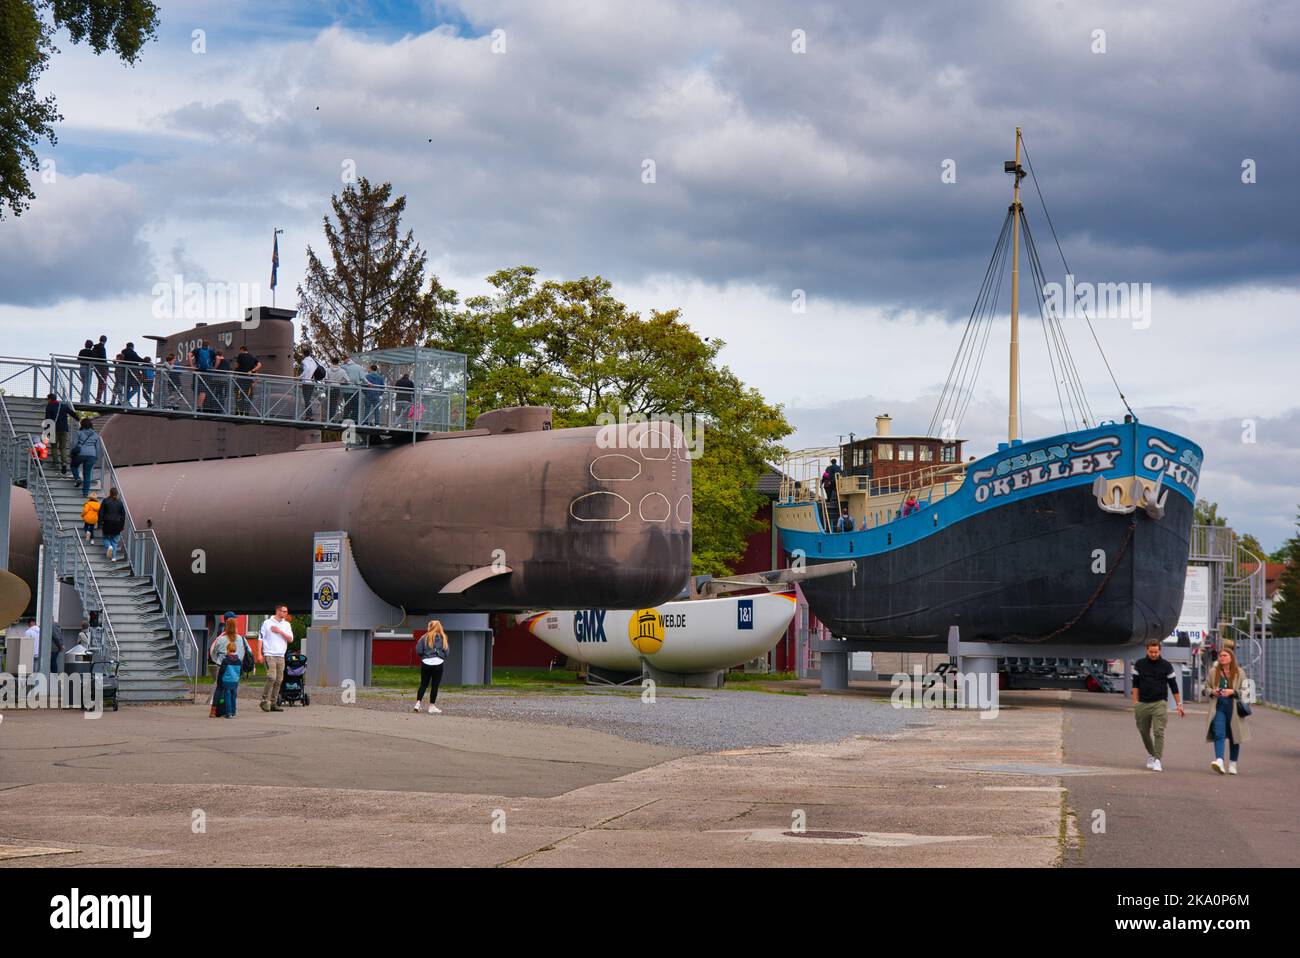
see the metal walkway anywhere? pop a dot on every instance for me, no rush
(362, 413)
(140, 623)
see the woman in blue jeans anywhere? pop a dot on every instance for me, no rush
(1225, 685)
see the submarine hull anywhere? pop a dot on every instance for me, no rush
(237, 533)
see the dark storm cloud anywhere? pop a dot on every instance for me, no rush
(818, 171)
(822, 170)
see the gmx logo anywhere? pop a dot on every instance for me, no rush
(745, 614)
(589, 625)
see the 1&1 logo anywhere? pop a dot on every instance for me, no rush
(645, 630)
(745, 614)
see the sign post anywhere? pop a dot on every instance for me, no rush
(345, 613)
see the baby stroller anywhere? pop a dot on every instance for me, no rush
(294, 687)
(102, 665)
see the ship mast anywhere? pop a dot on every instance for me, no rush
(1013, 413)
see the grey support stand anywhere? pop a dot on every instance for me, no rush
(713, 679)
(345, 612)
(469, 641)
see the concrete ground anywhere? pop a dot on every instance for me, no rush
(1187, 815)
(369, 784)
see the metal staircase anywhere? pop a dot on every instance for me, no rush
(143, 624)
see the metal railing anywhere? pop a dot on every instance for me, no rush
(1212, 544)
(64, 545)
(182, 391)
(145, 556)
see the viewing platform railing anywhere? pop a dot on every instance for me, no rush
(185, 392)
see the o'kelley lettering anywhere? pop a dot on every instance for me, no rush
(1086, 464)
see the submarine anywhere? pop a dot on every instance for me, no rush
(507, 515)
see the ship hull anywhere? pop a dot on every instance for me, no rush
(1022, 574)
(1079, 539)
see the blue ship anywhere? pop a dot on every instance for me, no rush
(1075, 539)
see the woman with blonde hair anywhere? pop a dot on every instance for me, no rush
(1224, 686)
(432, 652)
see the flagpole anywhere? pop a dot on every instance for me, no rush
(275, 261)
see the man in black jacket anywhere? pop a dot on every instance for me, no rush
(87, 357)
(1153, 677)
(100, 352)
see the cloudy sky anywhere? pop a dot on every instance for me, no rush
(795, 147)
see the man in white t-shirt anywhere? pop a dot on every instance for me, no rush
(276, 634)
(34, 633)
(307, 382)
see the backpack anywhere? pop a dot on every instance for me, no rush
(318, 373)
(230, 672)
(203, 358)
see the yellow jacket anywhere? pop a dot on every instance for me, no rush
(90, 512)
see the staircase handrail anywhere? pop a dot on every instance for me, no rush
(142, 546)
(56, 538)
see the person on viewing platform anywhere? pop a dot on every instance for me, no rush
(1225, 686)
(147, 376)
(1154, 678)
(373, 391)
(119, 381)
(222, 384)
(911, 505)
(167, 381)
(432, 652)
(404, 391)
(130, 372)
(100, 353)
(201, 358)
(311, 374)
(247, 366)
(356, 376)
(87, 357)
(336, 380)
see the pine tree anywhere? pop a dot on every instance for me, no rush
(371, 296)
(1285, 620)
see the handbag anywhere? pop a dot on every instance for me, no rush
(1243, 710)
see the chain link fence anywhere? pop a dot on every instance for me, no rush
(1281, 679)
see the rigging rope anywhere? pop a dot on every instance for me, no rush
(950, 397)
(1056, 239)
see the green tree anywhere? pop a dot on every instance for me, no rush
(27, 30)
(1252, 545)
(372, 296)
(575, 347)
(1285, 620)
(1206, 513)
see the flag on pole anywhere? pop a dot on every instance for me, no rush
(275, 256)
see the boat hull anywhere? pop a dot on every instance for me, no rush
(1022, 574)
(1079, 539)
